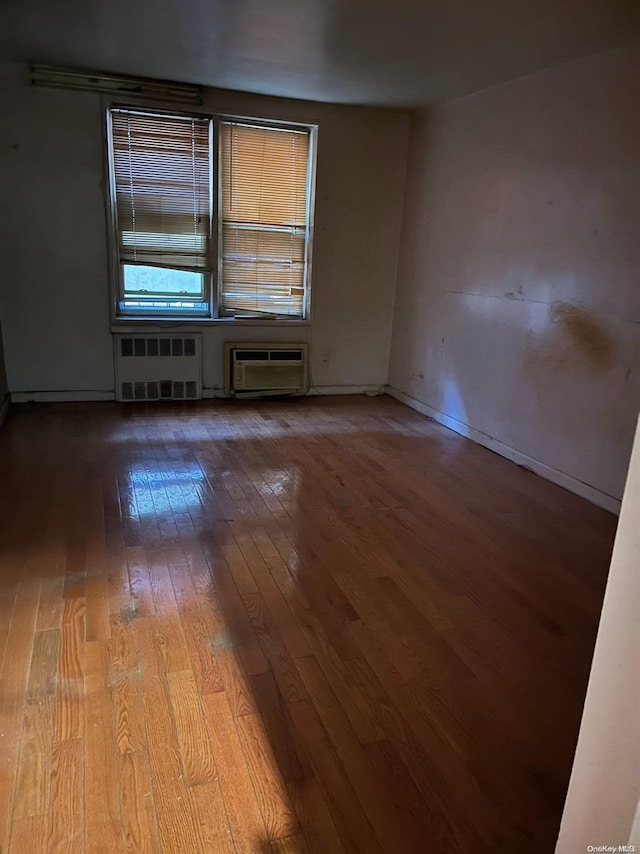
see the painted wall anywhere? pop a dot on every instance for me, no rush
(604, 790)
(4, 388)
(517, 312)
(53, 239)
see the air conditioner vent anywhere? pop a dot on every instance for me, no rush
(158, 367)
(286, 355)
(262, 370)
(252, 355)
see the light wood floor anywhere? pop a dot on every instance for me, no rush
(324, 625)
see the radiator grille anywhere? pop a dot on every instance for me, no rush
(163, 390)
(151, 347)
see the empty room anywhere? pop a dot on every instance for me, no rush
(319, 382)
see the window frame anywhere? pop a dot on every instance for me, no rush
(213, 286)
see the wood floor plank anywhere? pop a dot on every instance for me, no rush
(65, 820)
(128, 710)
(243, 812)
(29, 834)
(353, 825)
(319, 832)
(176, 822)
(234, 679)
(372, 794)
(210, 817)
(405, 794)
(103, 829)
(34, 768)
(238, 622)
(292, 638)
(50, 607)
(137, 806)
(98, 625)
(44, 664)
(13, 687)
(281, 663)
(291, 845)
(273, 798)
(204, 662)
(7, 601)
(69, 719)
(195, 749)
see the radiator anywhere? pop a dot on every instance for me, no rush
(158, 367)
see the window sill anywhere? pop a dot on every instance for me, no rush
(142, 324)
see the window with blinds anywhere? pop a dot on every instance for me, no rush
(161, 176)
(264, 220)
(164, 198)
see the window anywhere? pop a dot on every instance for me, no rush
(264, 219)
(195, 241)
(164, 211)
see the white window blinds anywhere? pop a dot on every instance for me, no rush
(265, 220)
(162, 175)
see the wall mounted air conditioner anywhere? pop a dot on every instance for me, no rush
(158, 367)
(265, 370)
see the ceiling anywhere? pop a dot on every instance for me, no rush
(397, 53)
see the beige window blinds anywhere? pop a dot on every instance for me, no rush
(265, 220)
(162, 177)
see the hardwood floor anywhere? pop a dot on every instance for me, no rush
(322, 625)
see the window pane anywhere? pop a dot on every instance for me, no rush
(149, 282)
(163, 307)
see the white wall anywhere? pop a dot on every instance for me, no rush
(54, 287)
(518, 304)
(604, 790)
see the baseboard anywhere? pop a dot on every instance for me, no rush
(4, 408)
(207, 394)
(346, 389)
(601, 499)
(60, 396)
(315, 390)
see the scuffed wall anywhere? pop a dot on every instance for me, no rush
(517, 312)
